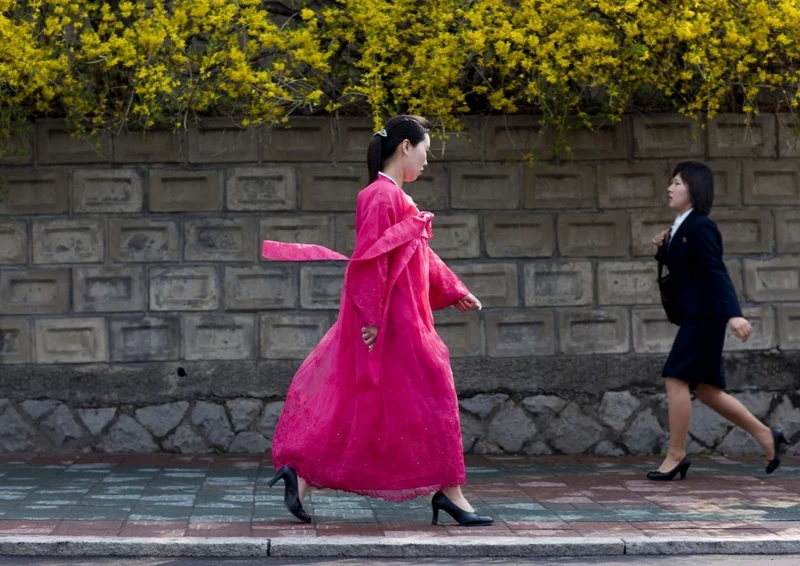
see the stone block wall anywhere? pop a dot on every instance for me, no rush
(137, 315)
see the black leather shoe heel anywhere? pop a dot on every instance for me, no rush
(291, 497)
(681, 469)
(780, 443)
(463, 518)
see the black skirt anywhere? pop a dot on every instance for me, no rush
(696, 355)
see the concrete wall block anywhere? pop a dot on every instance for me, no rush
(306, 229)
(221, 140)
(667, 135)
(35, 191)
(727, 181)
(514, 136)
(734, 267)
(34, 291)
(429, 191)
(518, 235)
(788, 326)
(495, 284)
(139, 240)
(746, 231)
(488, 186)
(466, 145)
(520, 333)
(633, 185)
(331, 187)
(15, 341)
(219, 337)
(108, 289)
(604, 141)
(773, 279)
(558, 186)
(13, 242)
(152, 146)
(107, 190)
(184, 289)
(145, 338)
(652, 332)
(461, 332)
(456, 236)
(68, 241)
(559, 284)
(261, 188)
(645, 224)
(787, 223)
(627, 283)
(788, 138)
(587, 331)
(593, 234)
(220, 239)
(292, 336)
(762, 319)
(345, 228)
(260, 288)
(302, 139)
(355, 135)
(771, 182)
(19, 149)
(184, 191)
(71, 341)
(321, 286)
(730, 136)
(55, 145)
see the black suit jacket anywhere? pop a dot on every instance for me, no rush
(694, 260)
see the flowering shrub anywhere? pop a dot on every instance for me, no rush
(108, 66)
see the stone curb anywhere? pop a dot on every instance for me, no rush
(367, 547)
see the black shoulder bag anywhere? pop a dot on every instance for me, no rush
(666, 287)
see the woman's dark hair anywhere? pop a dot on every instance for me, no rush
(700, 181)
(384, 143)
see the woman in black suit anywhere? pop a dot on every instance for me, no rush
(706, 303)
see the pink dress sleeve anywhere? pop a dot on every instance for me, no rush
(366, 281)
(445, 286)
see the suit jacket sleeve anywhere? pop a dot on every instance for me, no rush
(709, 249)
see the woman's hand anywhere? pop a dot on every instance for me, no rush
(468, 303)
(660, 238)
(369, 334)
(740, 328)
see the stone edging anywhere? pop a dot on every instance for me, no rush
(363, 547)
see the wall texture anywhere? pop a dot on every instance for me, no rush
(136, 315)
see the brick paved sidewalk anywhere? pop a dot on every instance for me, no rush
(227, 496)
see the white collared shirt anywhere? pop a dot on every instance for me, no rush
(678, 221)
(388, 177)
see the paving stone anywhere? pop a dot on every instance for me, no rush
(573, 431)
(510, 429)
(16, 435)
(243, 412)
(644, 435)
(161, 419)
(269, 419)
(707, 426)
(545, 405)
(738, 442)
(126, 435)
(616, 407)
(607, 448)
(483, 405)
(786, 416)
(36, 409)
(60, 426)
(249, 442)
(472, 430)
(186, 441)
(538, 448)
(211, 419)
(96, 419)
(758, 402)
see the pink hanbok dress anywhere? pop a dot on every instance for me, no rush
(381, 422)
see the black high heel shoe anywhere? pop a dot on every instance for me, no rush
(291, 497)
(681, 468)
(780, 446)
(463, 518)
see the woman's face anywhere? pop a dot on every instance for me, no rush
(679, 197)
(416, 158)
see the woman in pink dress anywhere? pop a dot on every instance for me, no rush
(373, 409)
